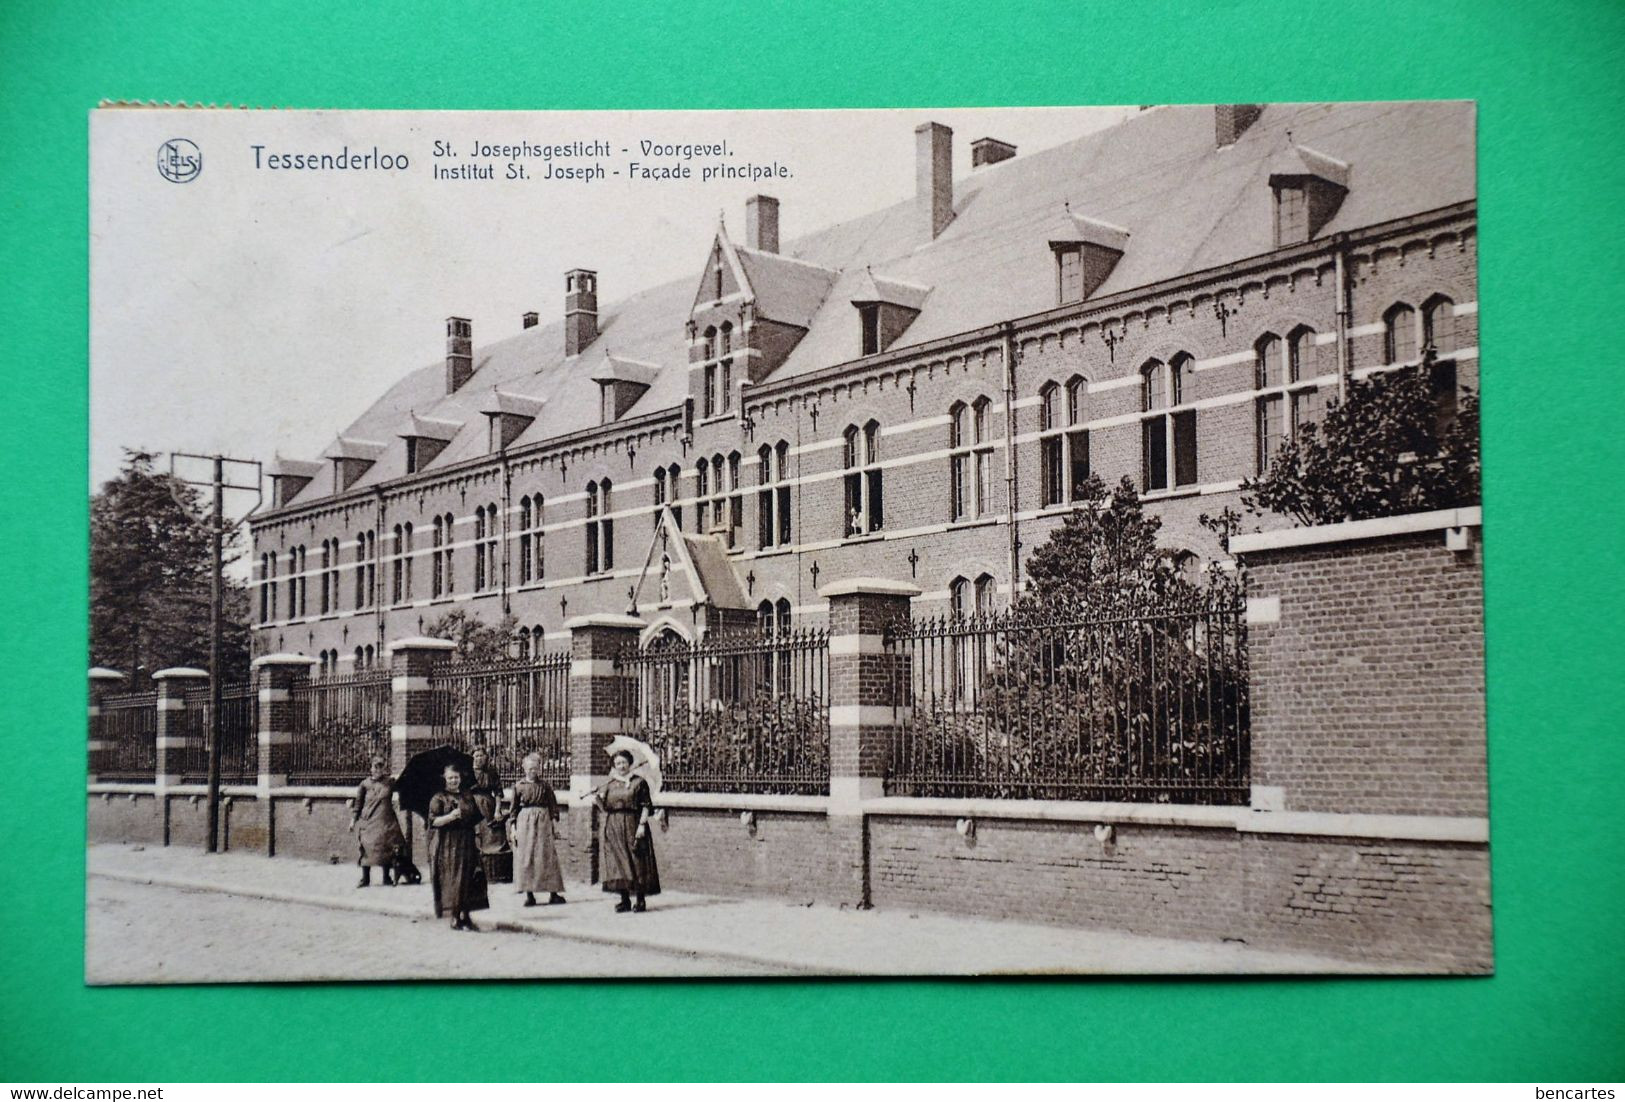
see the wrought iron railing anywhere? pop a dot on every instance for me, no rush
(733, 712)
(128, 728)
(339, 723)
(509, 709)
(1149, 707)
(239, 735)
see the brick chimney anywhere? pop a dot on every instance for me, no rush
(1231, 120)
(933, 180)
(580, 310)
(989, 151)
(459, 353)
(530, 319)
(762, 223)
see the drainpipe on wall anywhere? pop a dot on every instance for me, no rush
(377, 585)
(507, 504)
(1340, 257)
(1010, 483)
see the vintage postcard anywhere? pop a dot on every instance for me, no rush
(543, 544)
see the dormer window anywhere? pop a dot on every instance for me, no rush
(1086, 250)
(1070, 274)
(869, 321)
(1309, 187)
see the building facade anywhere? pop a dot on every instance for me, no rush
(914, 396)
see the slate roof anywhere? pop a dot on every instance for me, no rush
(1185, 204)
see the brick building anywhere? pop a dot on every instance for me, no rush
(911, 395)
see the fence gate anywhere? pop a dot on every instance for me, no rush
(510, 709)
(1145, 707)
(745, 712)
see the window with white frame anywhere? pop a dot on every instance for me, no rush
(970, 460)
(532, 562)
(864, 497)
(1063, 463)
(773, 495)
(1400, 339)
(600, 528)
(1284, 373)
(1167, 432)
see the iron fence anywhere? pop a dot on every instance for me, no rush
(508, 708)
(128, 727)
(733, 712)
(1146, 707)
(339, 723)
(239, 735)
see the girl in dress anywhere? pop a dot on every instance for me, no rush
(454, 855)
(628, 847)
(535, 860)
(375, 825)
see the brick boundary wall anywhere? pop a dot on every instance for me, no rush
(1341, 853)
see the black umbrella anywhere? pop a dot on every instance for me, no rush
(424, 776)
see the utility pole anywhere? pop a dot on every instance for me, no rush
(217, 592)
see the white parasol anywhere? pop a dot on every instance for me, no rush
(645, 762)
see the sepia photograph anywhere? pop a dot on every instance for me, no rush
(977, 541)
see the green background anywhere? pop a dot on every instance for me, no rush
(1548, 78)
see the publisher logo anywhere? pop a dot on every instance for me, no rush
(179, 161)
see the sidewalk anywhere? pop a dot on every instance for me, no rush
(769, 936)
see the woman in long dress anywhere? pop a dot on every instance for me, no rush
(454, 855)
(492, 834)
(535, 859)
(377, 829)
(628, 848)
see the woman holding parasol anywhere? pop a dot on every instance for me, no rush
(627, 806)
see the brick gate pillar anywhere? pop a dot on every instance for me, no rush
(275, 677)
(862, 713)
(178, 732)
(412, 709)
(103, 682)
(598, 697)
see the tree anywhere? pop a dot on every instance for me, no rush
(150, 565)
(1393, 447)
(1118, 675)
(477, 641)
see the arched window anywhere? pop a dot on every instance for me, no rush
(492, 548)
(327, 565)
(360, 659)
(970, 460)
(524, 643)
(864, 488)
(1063, 444)
(363, 595)
(408, 530)
(1439, 325)
(600, 528)
(725, 369)
(265, 590)
(702, 490)
(733, 510)
(397, 565)
(437, 557)
(1167, 433)
(1285, 373)
(481, 525)
(532, 562)
(293, 584)
(1399, 334)
(371, 656)
(674, 478)
(773, 499)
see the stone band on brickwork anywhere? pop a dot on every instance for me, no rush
(275, 676)
(862, 673)
(178, 732)
(103, 681)
(412, 707)
(598, 693)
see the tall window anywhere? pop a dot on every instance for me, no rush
(479, 553)
(271, 563)
(972, 651)
(674, 479)
(333, 577)
(865, 511)
(397, 565)
(407, 528)
(702, 488)
(449, 524)
(532, 563)
(725, 369)
(709, 401)
(327, 566)
(600, 528)
(1291, 215)
(970, 461)
(773, 498)
(1070, 275)
(437, 557)
(1063, 465)
(1285, 372)
(1399, 334)
(1439, 334)
(265, 589)
(524, 643)
(366, 568)
(1167, 433)
(296, 583)
(734, 509)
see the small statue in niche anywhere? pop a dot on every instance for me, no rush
(665, 579)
